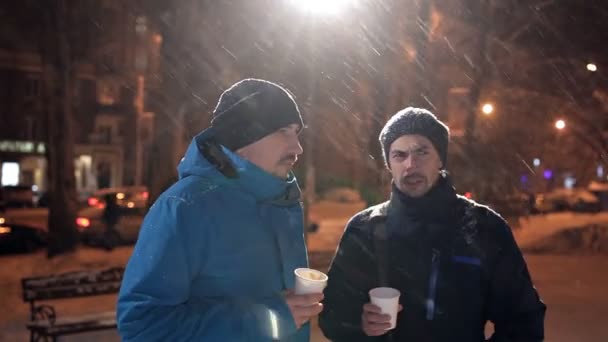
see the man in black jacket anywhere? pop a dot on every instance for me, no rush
(454, 261)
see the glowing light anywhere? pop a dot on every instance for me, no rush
(5, 230)
(536, 162)
(569, 182)
(548, 174)
(487, 109)
(560, 124)
(120, 196)
(592, 67)
(321, 7)
(130, 204)
(92, 201)
(157, 38)
(2, 220)
(83, 222)
(10, 173)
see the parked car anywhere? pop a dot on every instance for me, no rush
(580, 200)
(511, 205)
(600, 189)
(19, 238)
(127, 197)
(93, 229)
(18, 196)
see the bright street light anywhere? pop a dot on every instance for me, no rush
(487, 109)
(560, 124)
(592, 67)
(321, 7)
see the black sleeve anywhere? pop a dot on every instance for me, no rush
(514, 305)
(351, 275)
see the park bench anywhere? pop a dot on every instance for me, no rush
(46, 325)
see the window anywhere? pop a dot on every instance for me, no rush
(10, 173)
(141, 25)
(32, 85)
(105, 133)
(108, 61)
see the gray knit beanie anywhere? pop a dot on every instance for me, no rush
(252, 109)
(416, 121)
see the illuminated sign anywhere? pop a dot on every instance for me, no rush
(22, 146)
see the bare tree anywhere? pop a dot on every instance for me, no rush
(60, 31)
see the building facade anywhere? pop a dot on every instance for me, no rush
(112, 127)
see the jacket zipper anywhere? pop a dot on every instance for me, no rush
(430, 301)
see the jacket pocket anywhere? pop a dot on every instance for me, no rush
(466, 285)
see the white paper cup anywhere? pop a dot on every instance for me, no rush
(309, 281)
(387, 299)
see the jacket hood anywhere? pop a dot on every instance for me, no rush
(250, 178)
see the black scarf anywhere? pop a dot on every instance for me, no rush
(436, 206)
(427, 217)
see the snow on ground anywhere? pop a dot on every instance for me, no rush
(573, 286)
(12, 322)
(538, 227)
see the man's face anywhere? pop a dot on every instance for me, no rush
(414, 164)
(276, 153)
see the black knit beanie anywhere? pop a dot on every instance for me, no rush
(416, 121)
(252, 109)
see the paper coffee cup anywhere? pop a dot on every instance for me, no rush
(387, 299)
(309, 281)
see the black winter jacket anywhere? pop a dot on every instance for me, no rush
(455, 262)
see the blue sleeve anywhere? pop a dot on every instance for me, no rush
(154, 302)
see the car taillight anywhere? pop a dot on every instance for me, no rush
(468, 195)
(93, 201)
(83, 222)
(145, 195)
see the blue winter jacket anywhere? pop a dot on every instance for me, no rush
(213, 256)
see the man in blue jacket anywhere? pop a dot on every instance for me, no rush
(215, 256)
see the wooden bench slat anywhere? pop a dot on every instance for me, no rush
(67, 286)
(102, 318)
(71, 291)
(71, 284)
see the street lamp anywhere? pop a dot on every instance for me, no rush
(321, 7)
(592, 67)
(314, 8)
(487, 109)
(560, 124)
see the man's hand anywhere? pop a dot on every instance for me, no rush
(303, 307)
(375, 323)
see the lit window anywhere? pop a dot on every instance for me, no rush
(10, 173)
